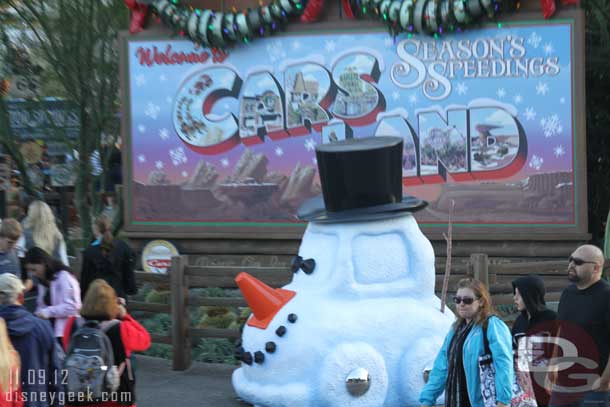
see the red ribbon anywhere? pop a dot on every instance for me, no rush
(349, 13)
(569, 2)
(548, 7)
(138, 15)
(312, 11)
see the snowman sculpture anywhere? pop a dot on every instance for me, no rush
(359, 324)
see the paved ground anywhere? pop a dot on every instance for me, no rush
(202, 385)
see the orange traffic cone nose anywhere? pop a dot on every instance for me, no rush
(263, 300)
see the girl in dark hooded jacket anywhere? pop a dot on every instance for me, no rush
(534, 320)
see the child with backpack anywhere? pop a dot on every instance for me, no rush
(98, 345)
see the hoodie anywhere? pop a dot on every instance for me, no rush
(532, 291)
(34, 341)
(540, 322)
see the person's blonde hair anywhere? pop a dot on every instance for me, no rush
(9, 362)
(104, 227)
(482, 294)
(10, 229)
(41, 221)
(100, 301)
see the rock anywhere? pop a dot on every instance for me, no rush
(299, 185)
(250, 165)
(204, 176)
(157, 177)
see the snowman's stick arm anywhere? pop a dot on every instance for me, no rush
(449, 240)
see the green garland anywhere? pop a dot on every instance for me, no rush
(215, 29)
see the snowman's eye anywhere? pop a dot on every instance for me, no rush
(379, 258)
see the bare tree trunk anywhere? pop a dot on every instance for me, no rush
(449, 240)
(7, 141)
(82, 199)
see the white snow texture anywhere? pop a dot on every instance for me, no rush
(369, 304)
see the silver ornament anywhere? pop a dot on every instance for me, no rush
(358, 382)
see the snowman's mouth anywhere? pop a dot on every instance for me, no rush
(258, 356)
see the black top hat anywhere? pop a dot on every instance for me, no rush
(361, 180)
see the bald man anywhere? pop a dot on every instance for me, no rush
(585, 306)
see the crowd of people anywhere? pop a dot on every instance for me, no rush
(542, 361)
(547, 359)
(43, 356)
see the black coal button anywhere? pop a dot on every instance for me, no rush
(281, 331)
(259, 357)
(247, 358)
(270, 347)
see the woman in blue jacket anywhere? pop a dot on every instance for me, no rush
(456, 368)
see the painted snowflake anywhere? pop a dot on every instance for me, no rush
(140, 80)
(185, 174)
(462, 89)
(178, 156)
(501, 93)
(530, 113)
(542, 88)
(310, 144)
(413, 99)
(224, 162)
(141, 158)
(279, 152)
(559, 151)
(330, 46)
(152, 110)
(551, 126)
(276, 51)
(536, 162)
(395, 95)
(141, 128)
(548, 48)
(534, 40)
(164, 134)
(518, 99)
(159, 165)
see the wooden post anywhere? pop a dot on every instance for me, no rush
(180, 342)
(480, 267)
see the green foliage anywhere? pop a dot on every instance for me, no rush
(158, 297)
(506, 309)
(222, 321)
(207, 292)
(159, 350)
(160, 324)
(75, 44)
(213, 350)
(597, 48)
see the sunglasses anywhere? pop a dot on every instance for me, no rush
(579, 262)
(465, 300)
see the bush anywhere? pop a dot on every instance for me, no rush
(160, 324)
(158, 297)
(159, 350)
(215, 350)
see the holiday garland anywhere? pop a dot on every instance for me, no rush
(220, 30)
(216, 29)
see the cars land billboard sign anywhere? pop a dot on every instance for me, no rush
(487, 120)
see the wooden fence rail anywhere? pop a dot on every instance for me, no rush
(183, 277)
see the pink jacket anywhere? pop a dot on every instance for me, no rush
(65, 300)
